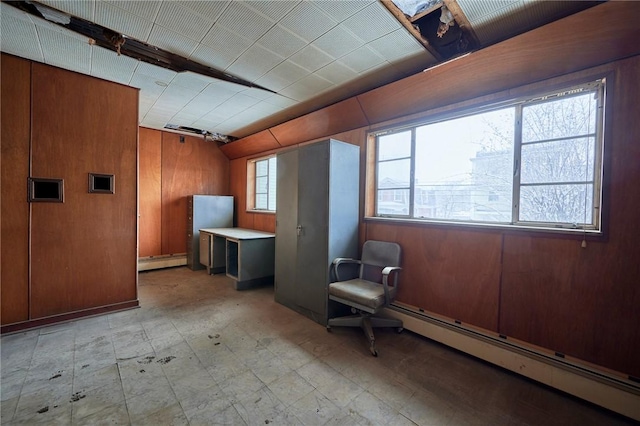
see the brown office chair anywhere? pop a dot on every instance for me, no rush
(371, 291)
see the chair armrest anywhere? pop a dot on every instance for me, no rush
(340, 260)
(385, 278)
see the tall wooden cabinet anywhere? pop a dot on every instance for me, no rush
(316, 221)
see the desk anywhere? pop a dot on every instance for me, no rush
(247, 256)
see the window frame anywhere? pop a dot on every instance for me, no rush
(252, 184)
(525, 95)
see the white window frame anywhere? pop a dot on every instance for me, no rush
(252, 184)
(596, 85)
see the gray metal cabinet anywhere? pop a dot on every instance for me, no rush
(205, 211)
(316, 221)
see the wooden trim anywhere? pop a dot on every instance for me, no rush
(253, 144)
(41, 322)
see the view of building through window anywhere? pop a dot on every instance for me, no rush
(533, 162)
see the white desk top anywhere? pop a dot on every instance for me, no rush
(238, 233)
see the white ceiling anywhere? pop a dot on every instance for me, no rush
(310, 53)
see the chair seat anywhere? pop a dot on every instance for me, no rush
(361, 291)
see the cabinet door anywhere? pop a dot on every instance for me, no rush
(205, 249)
(312, 268)
(286, 222)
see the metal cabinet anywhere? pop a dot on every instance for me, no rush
(316, 221)
(205, 211)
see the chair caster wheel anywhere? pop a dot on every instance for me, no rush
(374, 352)
(400, 330)
(329, 328)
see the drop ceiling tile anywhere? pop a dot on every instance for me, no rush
(282, 75)
(108, 65)
(475, 10)
(281, 42)
(80, 8)
(257, 93)
(210, 57)
(254, 63)
(307, 21)
(281, 101)
(207, 9)
(337, 73)
(362, 23)
(273, 9)
(192, 81)
(175, 97)
(362, 59)
(307, 88)
(341, 10)
(171, 41)
(120, 20)
(397, 45)
(184, 119)
(264, 109)
(220, 47)
(337, 42)
(155, 72)
(65, 49)
(249, 23)
(206, 124)
(147, 9)
(311, 58)
(19, 35)
(183, 21)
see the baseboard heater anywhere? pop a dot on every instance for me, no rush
(612, 392)
(159, 262)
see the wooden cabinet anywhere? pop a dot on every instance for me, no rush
(76, 257)
(316, 221)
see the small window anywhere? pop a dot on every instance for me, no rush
(261, 184)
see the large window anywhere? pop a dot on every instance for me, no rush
(262, 176)
(533, 162)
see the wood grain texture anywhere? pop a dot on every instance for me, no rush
(336, 118)
(83, 251)
(447, 271)
(238, 187)
(253, 144)
(16, 122)
(584, 302)
(192, 167)
(574, 43)
(150, 190)
(264, 222)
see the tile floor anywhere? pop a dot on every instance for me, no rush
(198, 352)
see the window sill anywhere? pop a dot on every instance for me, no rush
(260, 211)
(590, 235)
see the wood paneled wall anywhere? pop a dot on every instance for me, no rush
(15, 136)
(540, 289)
(150, 189)
(171, 170)
(80, 254)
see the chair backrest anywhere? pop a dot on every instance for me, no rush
(379, 254)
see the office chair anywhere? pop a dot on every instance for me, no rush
(370, 291)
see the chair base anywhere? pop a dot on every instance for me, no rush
(367, 322)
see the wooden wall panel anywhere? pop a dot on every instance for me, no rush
(83, 251)
(258, 142)
(567, 45)
(150, 193)
(584, 302)
(16, 123)
(447, 271)
(264, 222)
(238, 186)
(192, 167)
(339, 117)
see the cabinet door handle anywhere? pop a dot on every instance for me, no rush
(299, 230)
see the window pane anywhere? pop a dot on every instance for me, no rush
(261, 201)
(261, 184)
(464, 168)
(394, 174)
(272, 183)
(262, 168)
(393, 202)
(559, 161)
(396, 145)
(557, 203)
(559, 118)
